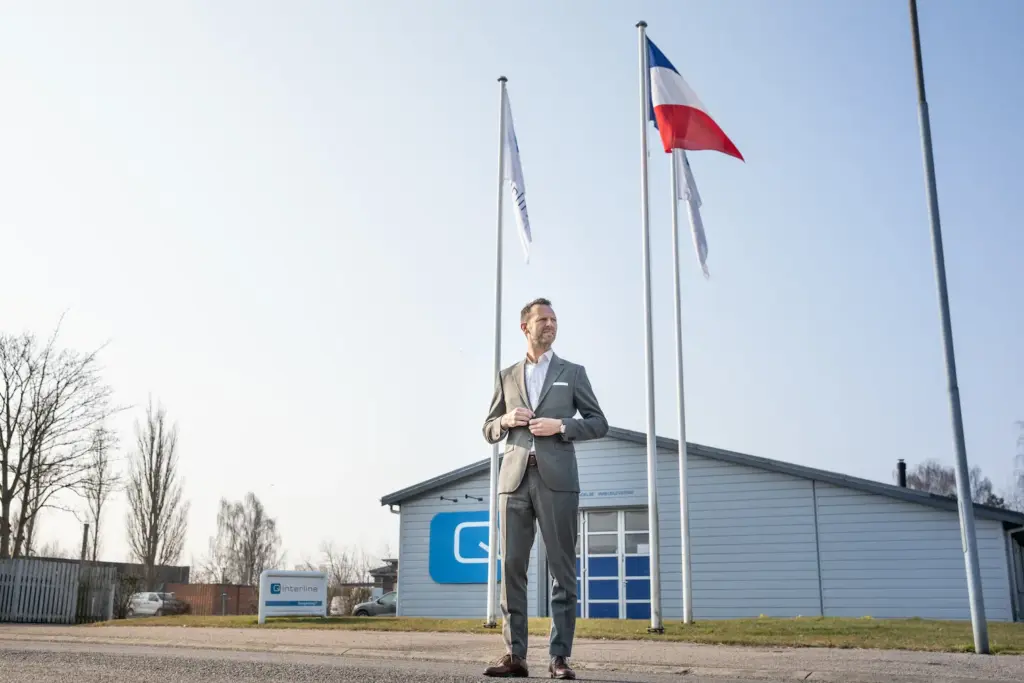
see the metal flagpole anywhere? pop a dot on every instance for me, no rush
(963, 487)
(492, 517)
(684, 512)
(652, 445)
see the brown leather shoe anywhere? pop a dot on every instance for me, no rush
(509, 666)
(560, 669)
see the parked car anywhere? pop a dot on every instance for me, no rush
(155, 605)
(383, 606)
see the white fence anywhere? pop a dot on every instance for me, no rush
(53, 592)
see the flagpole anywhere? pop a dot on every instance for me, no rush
(652, 444)
(492, 518)
(965, 503)
(684, 510)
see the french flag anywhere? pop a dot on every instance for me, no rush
(678, 113)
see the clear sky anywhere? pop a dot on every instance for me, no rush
(281, 216)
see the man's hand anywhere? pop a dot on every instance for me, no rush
(545, 426)
(520, 417)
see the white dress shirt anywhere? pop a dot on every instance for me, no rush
(535, 376)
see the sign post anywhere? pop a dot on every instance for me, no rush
(292, 594)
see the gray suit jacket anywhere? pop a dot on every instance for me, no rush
(566, 391)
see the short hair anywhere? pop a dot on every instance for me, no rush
(525, 313)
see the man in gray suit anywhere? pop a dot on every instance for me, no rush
(534, 406)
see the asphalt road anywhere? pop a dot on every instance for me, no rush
(31, 662)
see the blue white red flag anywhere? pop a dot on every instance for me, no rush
(681, 119)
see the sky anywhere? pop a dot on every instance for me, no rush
(280, 219)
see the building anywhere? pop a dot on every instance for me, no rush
(385, 577)
(767, 537)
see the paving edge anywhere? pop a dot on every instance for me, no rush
(427, 656)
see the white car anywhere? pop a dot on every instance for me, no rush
(153, 605)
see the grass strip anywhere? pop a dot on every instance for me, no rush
(889, 634)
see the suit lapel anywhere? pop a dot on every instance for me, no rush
(554, 370)
(519, 374)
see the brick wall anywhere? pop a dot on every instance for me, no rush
(205, 599)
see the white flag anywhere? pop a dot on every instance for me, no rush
(688, 192)
(514, 175)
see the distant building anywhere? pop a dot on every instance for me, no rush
(385, 577)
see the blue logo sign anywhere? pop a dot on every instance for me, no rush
(275, 589)
(458, 547)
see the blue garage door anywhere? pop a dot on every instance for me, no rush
(616, 583)
(604, 580)
(637, 564)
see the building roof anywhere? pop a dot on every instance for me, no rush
(386, 570)
(800, 471)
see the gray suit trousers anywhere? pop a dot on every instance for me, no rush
(557, 514)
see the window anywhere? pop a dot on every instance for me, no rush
(388, 598)
(637, 544)
(602, 521)
(636, 520)
(603, 544)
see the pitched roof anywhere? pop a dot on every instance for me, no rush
(800, 471)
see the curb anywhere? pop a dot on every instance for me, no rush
(427, 656)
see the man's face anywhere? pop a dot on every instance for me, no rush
(541, 326)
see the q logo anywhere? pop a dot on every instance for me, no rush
(459, 547)
(275, 589)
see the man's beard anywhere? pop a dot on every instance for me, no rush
(544, 341)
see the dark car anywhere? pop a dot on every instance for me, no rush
(385, 605)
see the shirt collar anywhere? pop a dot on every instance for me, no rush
(545, 358)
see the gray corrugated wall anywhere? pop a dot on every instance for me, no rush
(753, 542)
(751, 531)
(890, 558)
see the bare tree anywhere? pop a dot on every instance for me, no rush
(100, 482)
(49, 401)
(157, 514)
(215, 566)
(128, 584)
(30, 503)
(346, 565)
(55, 550)
(247, 542)
(934, 477)
(346, 568)
(1015, 493)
